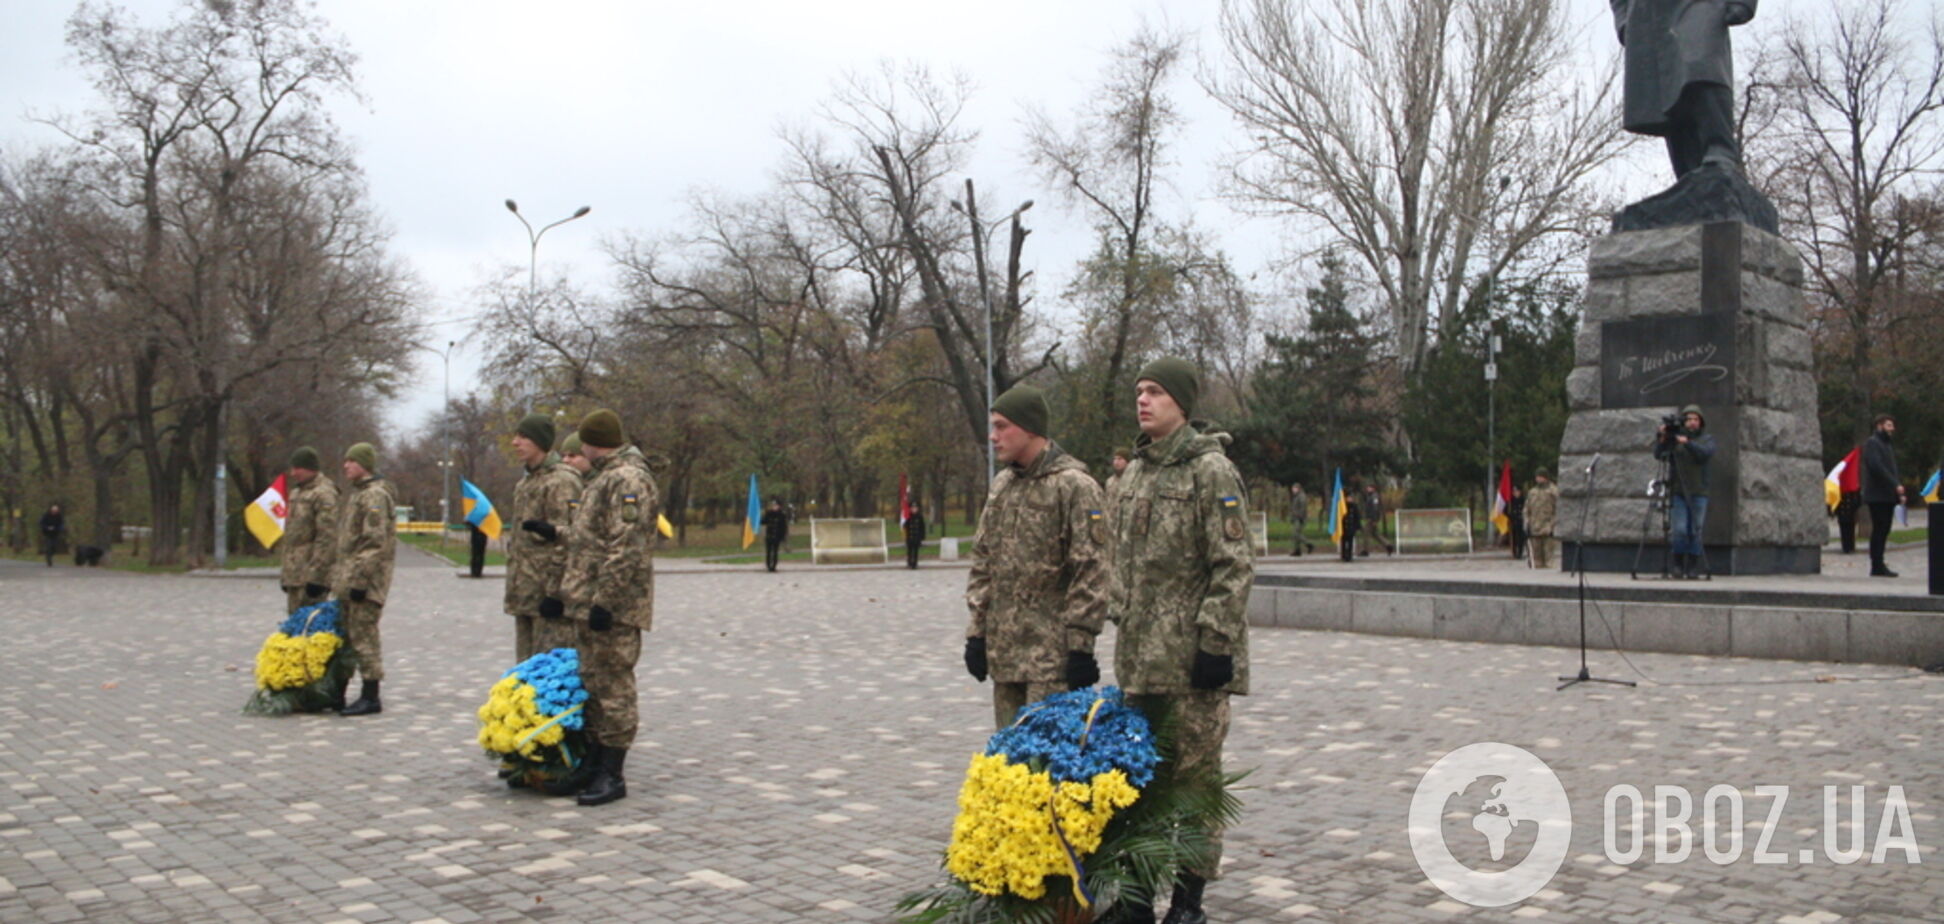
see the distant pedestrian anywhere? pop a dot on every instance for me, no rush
(1846, 519)
(1373, 520)
(1883, 490)
(1299, 519)
(53, 525)
(1515, 514)
(776, 530)
(914, 537)
(1352, 522)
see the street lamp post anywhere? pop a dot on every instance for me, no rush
(971, 209)
(445, 492)
(533, 253)
(1491, 425)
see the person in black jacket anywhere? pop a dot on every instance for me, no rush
(1692, 450)
(1352, 522)
(776, 529)
(53, 525)
(1882, 489)
(914, 527)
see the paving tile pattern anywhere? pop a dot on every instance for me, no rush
(804, 734)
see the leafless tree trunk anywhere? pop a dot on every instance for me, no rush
(1439, 140)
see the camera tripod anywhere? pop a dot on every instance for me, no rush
(1660, 499)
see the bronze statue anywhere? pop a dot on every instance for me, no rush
(1680, 76)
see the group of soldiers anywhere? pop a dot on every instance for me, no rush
(579, 572)
(1163, 552)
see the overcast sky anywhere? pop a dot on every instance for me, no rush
(629, 106)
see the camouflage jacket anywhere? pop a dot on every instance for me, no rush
(367, 540)
(1541, 507)
(1039, 570)
(611, 553)
(310, 534)
(534, 566)
(1183, 563)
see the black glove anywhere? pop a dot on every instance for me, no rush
(599, 619)
(1082, 670)
(1212, 672)
(357, 596)
(541, 528)
(315, 590)
(552, 608)
(975, 659)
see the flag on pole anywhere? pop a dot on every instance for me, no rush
(754, 515)
(1502, 504)
(904, 501)
(1932, 488)
(266, 515)
(1338, 507)
(478, 510)
(1845, 478)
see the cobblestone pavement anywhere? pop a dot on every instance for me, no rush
(804, 737)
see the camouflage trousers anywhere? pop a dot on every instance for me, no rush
(294, 599)
(607, 667)
(360, 623)
(1542, 550)
(1008, 697)
(532, 635)
(1201, 722)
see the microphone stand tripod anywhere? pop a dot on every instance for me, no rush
(1579, 565)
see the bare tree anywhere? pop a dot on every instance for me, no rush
(1858, 144)
(1438, 140)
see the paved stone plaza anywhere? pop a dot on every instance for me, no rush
(804, 737)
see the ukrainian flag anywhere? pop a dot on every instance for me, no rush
(1932, 490)
(752, 517)
(479, 511)
(1338, 506)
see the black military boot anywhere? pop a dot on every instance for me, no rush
(607, 784)
(576, 779)
(367, 703)
(1187, 905)
(337, 693)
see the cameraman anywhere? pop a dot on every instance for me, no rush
(1691, 449)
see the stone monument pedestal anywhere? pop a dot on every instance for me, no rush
(1699, 314)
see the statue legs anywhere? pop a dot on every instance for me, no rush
(1704, 129)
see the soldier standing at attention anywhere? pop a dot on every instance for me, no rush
(310, 532)
(1541, 510)
(570, 453)
(1183, 564)
(367, 541)
(1038, 589)
(610, 586)
(536, 558)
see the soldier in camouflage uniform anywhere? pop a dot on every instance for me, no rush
(310, 532)
(536, 552)
(367, 541)
(1038, 588)
(1541, 510)
(610, 588)
(1183, 565)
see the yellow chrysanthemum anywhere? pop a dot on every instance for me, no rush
(1004, 839)
(510, 715)
(285, 662)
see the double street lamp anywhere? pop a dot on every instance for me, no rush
(533, 253)
(970, 208)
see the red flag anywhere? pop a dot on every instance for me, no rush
(1502, 505)
(904, 501)
(1852, 477)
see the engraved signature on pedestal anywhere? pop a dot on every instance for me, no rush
(1663, 370)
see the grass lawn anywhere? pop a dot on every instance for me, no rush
(456, 551)
(122, 558)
